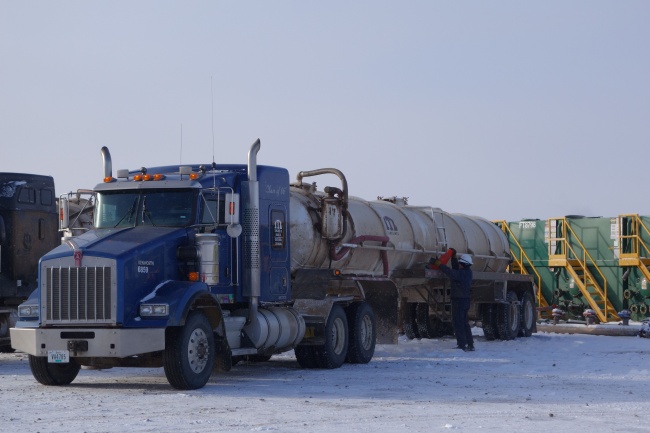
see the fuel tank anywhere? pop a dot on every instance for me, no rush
(332, 230)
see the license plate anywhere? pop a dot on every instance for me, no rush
(58, 356)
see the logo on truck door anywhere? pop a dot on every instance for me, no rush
(278, 234)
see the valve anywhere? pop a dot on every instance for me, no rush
(629, 293)
(625, 316)
(558, 314)
(590, 316)
(644, 332)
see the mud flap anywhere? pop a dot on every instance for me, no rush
(383, 298)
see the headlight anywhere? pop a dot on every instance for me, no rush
(27, 311)
(154, 310)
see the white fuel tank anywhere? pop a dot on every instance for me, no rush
(409, 235)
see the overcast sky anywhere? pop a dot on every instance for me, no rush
(503, 109)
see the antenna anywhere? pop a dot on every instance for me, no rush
(212, 100)
(180, 162)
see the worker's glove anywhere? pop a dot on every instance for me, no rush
(453, 254)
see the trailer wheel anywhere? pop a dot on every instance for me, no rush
(362, 333)
(489, 322)
(332, 354)
(528, 315)
(189, 353)
(508, 317)
(49, 373)
(409, 323)
(306, 356)
(422, 320)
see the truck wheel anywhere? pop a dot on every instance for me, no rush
(189, 353)
(332, 354)
(489, 322)
(409, 323)
(528, 315)
(508, 317)
(362, 335)
(49, 373)
(306, 356)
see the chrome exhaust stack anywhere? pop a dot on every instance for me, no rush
(108, 163)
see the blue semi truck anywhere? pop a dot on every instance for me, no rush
(194, 268)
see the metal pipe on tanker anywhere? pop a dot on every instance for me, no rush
(344, 190)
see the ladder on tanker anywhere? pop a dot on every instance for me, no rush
(438, 218)
(634, 250)
(522, 264)
(566, 250)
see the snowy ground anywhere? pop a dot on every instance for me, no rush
(545, 383)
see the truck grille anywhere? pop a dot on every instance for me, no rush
(78, 294)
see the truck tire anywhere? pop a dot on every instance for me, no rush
(189, 353)
(332, 354)
(409, 323)
(362, 333)
(490, 322)
(528, 315)
(49, 373)
(509, 317)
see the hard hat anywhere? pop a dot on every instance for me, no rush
(465, 259)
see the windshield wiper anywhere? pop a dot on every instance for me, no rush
(128, 213)
(145, 212)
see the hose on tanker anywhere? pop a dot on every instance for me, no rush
(335, 256)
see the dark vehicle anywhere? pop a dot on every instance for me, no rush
(28, 230)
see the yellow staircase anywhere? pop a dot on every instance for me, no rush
(633, 250)
(562, 253)
(521, 263)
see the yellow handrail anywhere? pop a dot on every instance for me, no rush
(541, 302)
(566, 228)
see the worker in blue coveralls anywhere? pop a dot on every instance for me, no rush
(461, 276)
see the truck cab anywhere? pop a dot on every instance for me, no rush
(186, 268)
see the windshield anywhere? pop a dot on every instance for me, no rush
(159, 208)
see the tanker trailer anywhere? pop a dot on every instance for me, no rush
(377, 248)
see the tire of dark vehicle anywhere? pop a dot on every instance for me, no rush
(362, 333)
(508, 317)
(49, 373)
(409, 324)
(189, 353)
(528, 314)
(489, 320)
(306, 356)
(332, 354)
